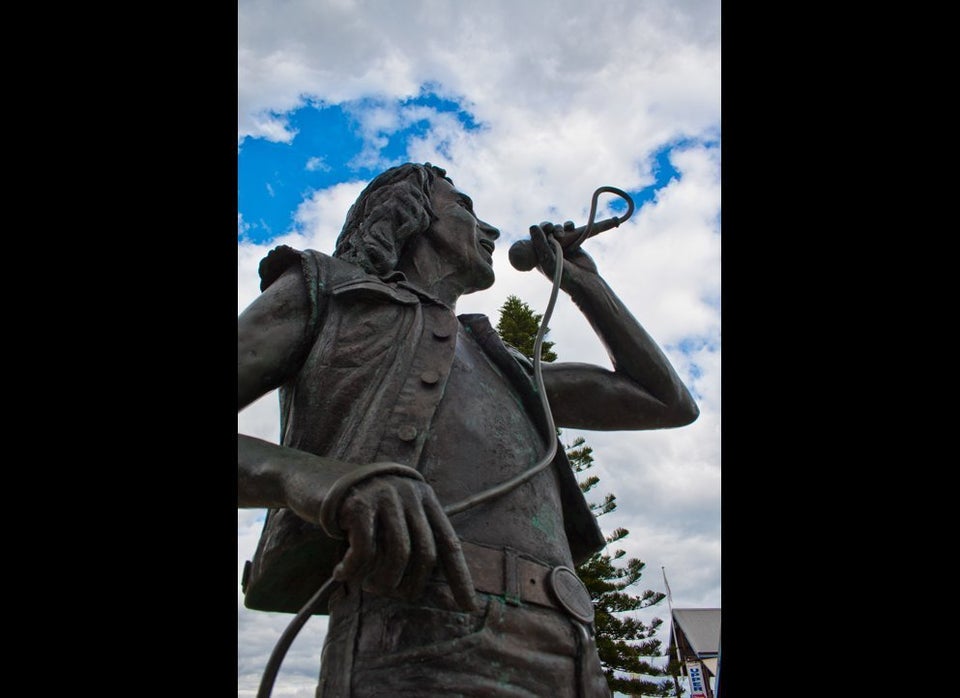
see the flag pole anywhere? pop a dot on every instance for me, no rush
(673, 631)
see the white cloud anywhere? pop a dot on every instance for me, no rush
(315, 164)
(320, 217)
(300, 667)
(317, 223)
(508, 58)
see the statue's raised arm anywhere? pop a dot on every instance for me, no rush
(643, 391)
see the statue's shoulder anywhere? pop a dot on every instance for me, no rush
(483, 331)
(319, 270)
(520, 357)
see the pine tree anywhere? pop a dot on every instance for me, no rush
(624, 643)
(519, 325)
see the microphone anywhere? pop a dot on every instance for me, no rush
(523, 258)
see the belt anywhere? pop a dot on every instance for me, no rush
(503, 572)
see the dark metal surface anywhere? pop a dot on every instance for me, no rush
(571, 594)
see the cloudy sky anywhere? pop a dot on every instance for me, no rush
(530, 105)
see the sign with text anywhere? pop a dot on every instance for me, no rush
(698, 682)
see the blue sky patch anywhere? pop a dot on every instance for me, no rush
(663, 171)
(358, 140)
(275, 178)
(689, 345)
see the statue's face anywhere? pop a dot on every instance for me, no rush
(460, 238)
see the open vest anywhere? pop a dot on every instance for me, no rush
(358, 398)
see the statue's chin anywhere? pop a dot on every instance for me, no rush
(486, 280)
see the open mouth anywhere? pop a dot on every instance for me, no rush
(487, 245)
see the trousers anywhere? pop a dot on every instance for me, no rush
(379, 647)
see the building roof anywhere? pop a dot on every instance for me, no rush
(700, 628)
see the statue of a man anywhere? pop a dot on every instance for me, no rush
(392, 408)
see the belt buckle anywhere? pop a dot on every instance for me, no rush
(571, 593)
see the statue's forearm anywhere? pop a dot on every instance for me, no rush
(631, 349)
(269, 475)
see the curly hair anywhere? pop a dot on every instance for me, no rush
(392, 208)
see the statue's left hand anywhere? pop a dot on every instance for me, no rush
(398, 534)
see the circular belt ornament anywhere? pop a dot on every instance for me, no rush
(571, 593)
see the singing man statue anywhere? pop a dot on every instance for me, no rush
(392, 408)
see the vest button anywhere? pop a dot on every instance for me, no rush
(407, 433)
(441, 333)
(429, 377)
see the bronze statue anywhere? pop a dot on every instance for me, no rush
(392, 407)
